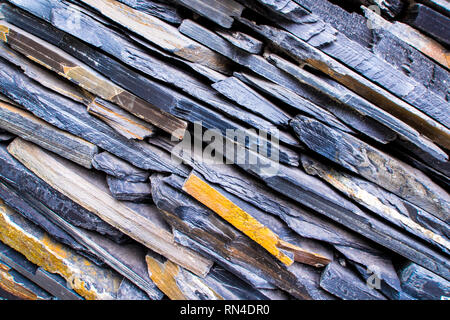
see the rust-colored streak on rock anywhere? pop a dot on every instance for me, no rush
(251, 227)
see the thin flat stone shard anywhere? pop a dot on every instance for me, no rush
(52, 283)
(123, 122)
(43, 76)
(377, 34)
(20, 287)
(244, 222)
(374, 165)
(121, 48)
(371, 276)
(349, 98)
(423, 284)
(88, 280)
(158, 32)
(124, 190)
(335, 115)
(74, 119)
(126, 259)
(387, 205)
(306, 53)
(179, 284)
(210, 11)
(33, 129)
(76, 184)
(441, 5)
(411, 36)
(316, 195)
(25, 182)
(250, 195)
(169, 100)
(13, 200)
(323, 36)
(430, 22)
(245, 96)
(225, 245)
(70, 68)
(116, 167)
(160, 10)
(242, 41)
(252, 61)
(338, 281)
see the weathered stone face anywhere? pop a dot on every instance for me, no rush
(224, 150)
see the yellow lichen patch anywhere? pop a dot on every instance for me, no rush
(90, 281)
(240, 219)
(164, 275)
(4, 31)
(178, 283)
(8, 284)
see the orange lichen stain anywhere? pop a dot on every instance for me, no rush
(46, 253)
(164, 276)
(240, 219)
(8, 284)
(4, 31)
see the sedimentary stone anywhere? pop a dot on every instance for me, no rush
(20, 287)
(33, 129)
(70, 68)
(52, 283)
(160, 10)
(374, 165)
(116, 167)
(430, 22)
(74, 118)
(423, 284)
(25, 182)
(387, 205)
(254, 229)
(224, 244)
(251, 100)
(124, 190)
(120, 120)
(180, 284)
(338, 281)
(157, 32)
(242, 40)
(420, 117)
(411, 36)
(87, 279)
(76, 183)
(212, 10)
(321, 108)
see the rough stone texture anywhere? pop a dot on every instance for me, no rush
(160, 10)
(340, 282)
(116, 167)
(24, 181)
(423, 284)
(429, 21)
(375, 165)
(129, 191)
(387, 205)
(31, 128)
(74, 118)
